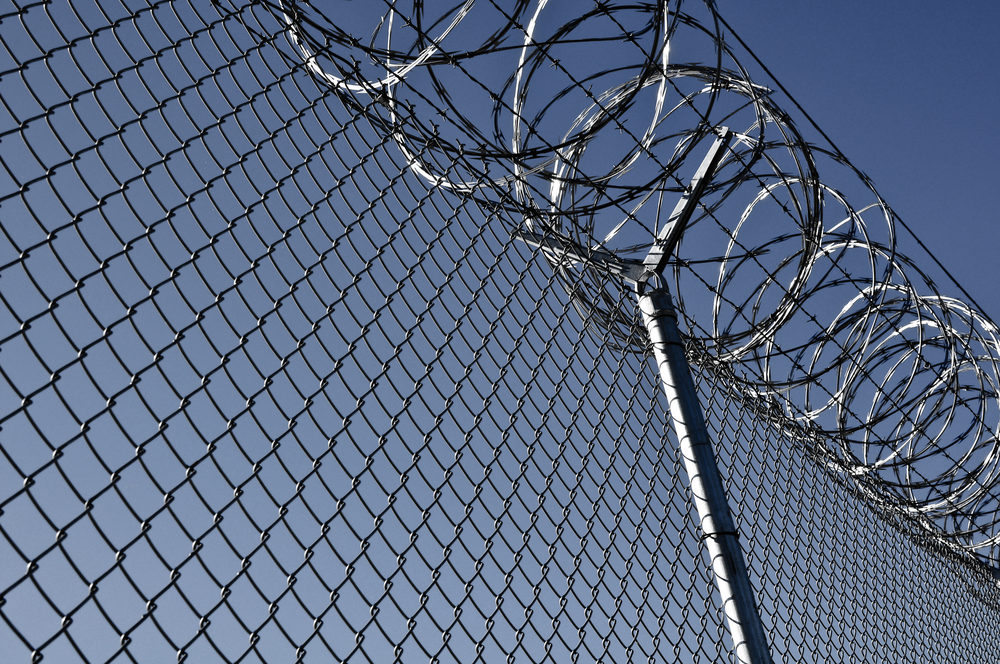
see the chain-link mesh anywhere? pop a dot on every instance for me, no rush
(268, 395)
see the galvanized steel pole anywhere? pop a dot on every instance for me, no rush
(660, 317)
(710, 500)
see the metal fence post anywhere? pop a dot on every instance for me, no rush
(721, 537)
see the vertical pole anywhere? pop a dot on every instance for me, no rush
(717, 525)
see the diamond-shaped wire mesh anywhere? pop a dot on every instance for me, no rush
(266, 395)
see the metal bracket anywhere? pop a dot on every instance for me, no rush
(668, 237)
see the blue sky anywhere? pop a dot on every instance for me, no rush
(910, 91)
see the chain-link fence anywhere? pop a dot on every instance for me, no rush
(281, 383)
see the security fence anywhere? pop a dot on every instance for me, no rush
(283, 381)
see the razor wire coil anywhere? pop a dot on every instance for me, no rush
(902, 380)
